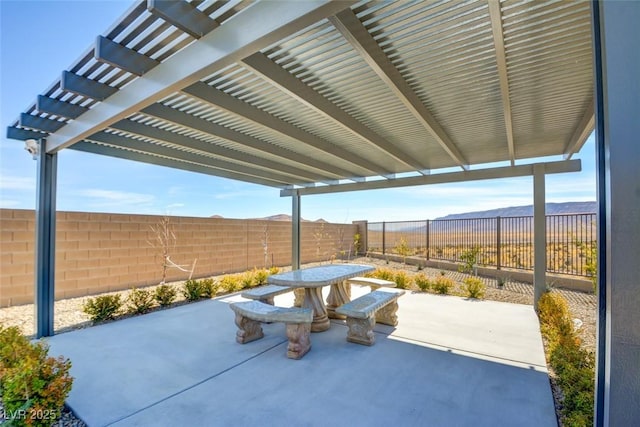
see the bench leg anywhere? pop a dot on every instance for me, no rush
(387, 314)
(298, 294)
(299, 339)
(361, 330)
(248, 329)
(267, 300)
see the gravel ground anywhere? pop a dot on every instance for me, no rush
(69, 316)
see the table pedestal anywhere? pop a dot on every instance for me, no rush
(339, 294)
(313, 300)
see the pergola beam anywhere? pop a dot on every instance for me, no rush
(256, 28)
(179, 117)
(119, 56)
(581, 132)
(82, 86)
(183, 15)
(48, 105)
(122, 146)
(501, 63)
(184, 141)
(563, 166)
(348, 24)
(261, 65)
(232, 105)
(40, 123)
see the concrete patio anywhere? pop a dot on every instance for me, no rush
(450, 362)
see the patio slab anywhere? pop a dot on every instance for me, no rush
(449, 362)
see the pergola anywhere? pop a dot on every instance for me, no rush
(319, 97)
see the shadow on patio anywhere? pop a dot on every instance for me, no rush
(450, 362)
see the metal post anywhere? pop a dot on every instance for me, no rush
(617, 102)
(45, 240)
(427, 236)
(498, 243)
(295, 231)
(384, 233)
(539, 234)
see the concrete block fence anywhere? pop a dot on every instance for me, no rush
(101, 252)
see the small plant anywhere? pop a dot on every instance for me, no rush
(402, 279)
(356, 244)
(103, 307)
(260, 276)
(208, 288)
(165, 295)
(443, 285)
(383, 273)
(443, 273)
(469, 259)
(230, 283)
(192, 290)
(501, 282)
(140, 301)
(274, 270)
(402, 248)
(475, 287)
(422, 281)
(31, 381)
(247, 280)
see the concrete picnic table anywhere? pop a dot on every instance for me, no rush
(313, 279)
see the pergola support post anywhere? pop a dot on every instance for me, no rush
(617, 67)
(295, 231)
(539, 234)
(45, 239)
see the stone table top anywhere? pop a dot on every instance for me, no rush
(320, 276)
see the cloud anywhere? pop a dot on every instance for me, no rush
(17, 183)
(104, 198)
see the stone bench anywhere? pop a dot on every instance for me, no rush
(363, 312)
(265, 293)
(249, 314)
(372, 282)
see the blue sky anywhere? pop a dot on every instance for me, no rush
(39, 39)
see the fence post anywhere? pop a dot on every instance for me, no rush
(498, 243)
(427, 238)
(383, 238)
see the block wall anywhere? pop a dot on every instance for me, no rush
(100, 252)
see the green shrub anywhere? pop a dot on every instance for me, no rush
(208, 288)
(422, 281)
(469, 259)
(165, 295)
(140, 301)
(192, 290)
(247, 280)
(30, 380)
(574, 366)
(402, 279)
(103, 307)
(443, 285)
(475, 287)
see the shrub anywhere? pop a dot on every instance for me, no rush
(469, 259)
(402, 279)
(230, 283)
(31, 381)
(103, 307)
(422, 281)
(260, 276)
(475, 287)
(140, 301)
(443, 285)
(165, 295)
(247, 280)
(574, 366)
(383, 273)
(192, 290)
(274, 270)
(208, 288)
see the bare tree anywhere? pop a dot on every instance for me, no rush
(164, 240)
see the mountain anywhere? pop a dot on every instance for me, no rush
(278, 217)
(551, 209)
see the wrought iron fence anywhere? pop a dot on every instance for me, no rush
(501, 242)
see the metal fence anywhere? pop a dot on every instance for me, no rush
(501, 242)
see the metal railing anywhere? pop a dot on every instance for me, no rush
(500, 242)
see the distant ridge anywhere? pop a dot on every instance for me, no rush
(551, 209)
(278, 217)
